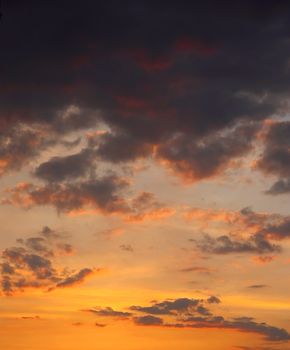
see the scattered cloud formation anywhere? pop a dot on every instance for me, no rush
(194, 314)
(248, 232)
(33, 264)
(94, 92)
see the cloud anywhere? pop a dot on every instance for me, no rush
(20, 144)
(187, 313)
(105, 195)
(227, 245)
(34, 263)
(77, 278)
(169, 307)
(187, 78)
(279, 187)
(266, 259)
(276, 156)
(248, 231)
(247, 325)
(30, 317)
(148, 321)
(100, 325)
(257, 286)
(118, 148)
(109, 312)
(207, 157)
(127, 248)
(65, 168)
(101, 194)
(213, 300)
(199, 269)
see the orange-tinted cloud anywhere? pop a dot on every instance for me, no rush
(92, 197)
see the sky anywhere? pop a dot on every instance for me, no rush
(145, 175)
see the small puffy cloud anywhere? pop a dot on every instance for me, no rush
(213, 300)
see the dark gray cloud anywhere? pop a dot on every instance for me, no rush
(279, 187)
(148, 320)
(21, 144)
(270, 226)
(257, 286)
(169, 307)
(206, 157)
(192, 313)
(59, 169)
(108, 195)
(150, 71)
(227, 245)
(109, 312)
(247, 325)
(213, 300)
(199, 269)
(76, 278)
(32, 264)
(277, 229)
(121, 147)
(250, 232)
(275, 159)
(100, 193)
(127, 248)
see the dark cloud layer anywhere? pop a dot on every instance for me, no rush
(167, 78)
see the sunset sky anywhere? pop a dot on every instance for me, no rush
(145, 175)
